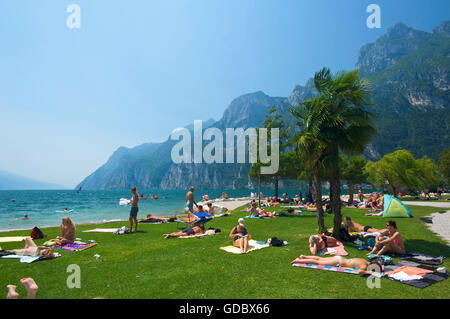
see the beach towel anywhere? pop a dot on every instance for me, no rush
(12, 239)
(328, 268)
(27, 259)
(75, 246)
(101, 230)
(414, 274)
(338, 250)
(124, 202)
(421, 258)
(257, 217)
(252, 245)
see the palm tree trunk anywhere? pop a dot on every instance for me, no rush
(276, 186)
(350, 193)
(335, 188)
(318, 200)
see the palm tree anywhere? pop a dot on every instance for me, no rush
(347, 127)
(334, 121)
(310, 148)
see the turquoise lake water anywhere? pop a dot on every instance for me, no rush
(93, 206)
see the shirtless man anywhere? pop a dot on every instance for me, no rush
(352, 226)
(211, 209)
(190, 201)
(134, 209)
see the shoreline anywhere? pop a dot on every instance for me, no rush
(220, 205)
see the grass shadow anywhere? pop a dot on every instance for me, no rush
(427, 247)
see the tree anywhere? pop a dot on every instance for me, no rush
(401, 172)
(354, 173)
(444, 166)
(273, 120)
(339, 122)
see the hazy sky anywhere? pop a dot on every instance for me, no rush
(136, 70)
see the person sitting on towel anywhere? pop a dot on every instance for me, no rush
(189, 231)
(67, 232)
(318, 243)
(352, 226)
(394, 244)
(31, 249)
(336, 261)
(240, 236)
(258, 212)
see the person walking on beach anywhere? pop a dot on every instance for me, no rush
(190, 200)
(134, 209)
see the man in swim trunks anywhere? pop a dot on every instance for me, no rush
(134, 209)
(190, 201)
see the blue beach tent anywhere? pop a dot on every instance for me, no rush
(393, 207)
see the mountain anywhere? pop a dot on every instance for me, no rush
(10, 181)
(409, 70)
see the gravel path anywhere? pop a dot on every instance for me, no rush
(440, 224)
(428, 203)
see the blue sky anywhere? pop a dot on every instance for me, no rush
(136, 70)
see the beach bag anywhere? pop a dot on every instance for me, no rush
(36, 233)
(274, 241)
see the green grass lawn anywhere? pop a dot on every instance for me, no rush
(145, 265)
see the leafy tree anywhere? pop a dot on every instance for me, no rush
(400, 171)
(444, 166)
(273, 120)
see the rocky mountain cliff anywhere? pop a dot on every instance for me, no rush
(409, 70)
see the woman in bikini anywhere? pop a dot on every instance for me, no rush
(336, 261)
(318, 243)
(31, 249)
(240, 236)
(394, 244)
(67, 232)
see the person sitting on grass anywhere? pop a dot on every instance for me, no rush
(240, 236)
(211, 209)
(317, 243)
(393, 244)
(31, 249)
(30, 286)
(67, 232)
(336, 261)
(189, 231)
(352, 226)
(361, 195)
(297, 200)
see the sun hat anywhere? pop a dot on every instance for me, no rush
(241, 221)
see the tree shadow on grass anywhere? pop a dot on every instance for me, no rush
(427, 247)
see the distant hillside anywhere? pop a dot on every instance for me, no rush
(10, 181)
(409, 70)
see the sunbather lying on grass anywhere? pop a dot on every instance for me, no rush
(259, 212)
(336, 261)
(318, 243)
(31, 249)
(394, 244)
(240, 236)
(151, 218)
(29, 284)
(189, 231)
(352, 226)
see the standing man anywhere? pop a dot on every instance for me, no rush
(134, 209)
(190, 202)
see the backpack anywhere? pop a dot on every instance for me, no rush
(36, 233)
